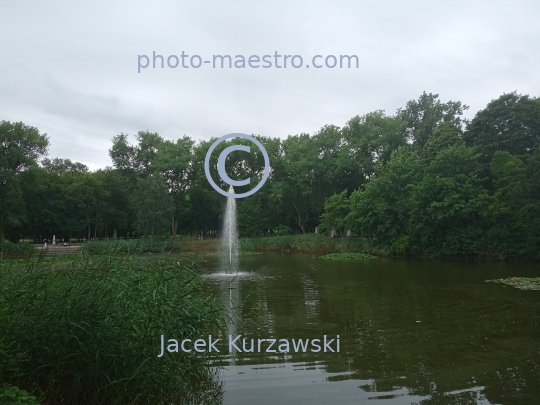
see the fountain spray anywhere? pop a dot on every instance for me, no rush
(229, 240)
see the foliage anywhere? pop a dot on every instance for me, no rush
(283, 230)
(154, 207)
(87, 330)
(422, 181)
(144, 245)
(336, 209)
(11, 395)
(20, 147)
(16, 250)
(308, 243)
(250, 217)
(347, 256)
(422, 117)
(521, 283)
(510, 124)
(380, 210)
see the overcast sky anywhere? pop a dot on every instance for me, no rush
(70, 68)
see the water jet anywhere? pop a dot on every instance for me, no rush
(229, 239)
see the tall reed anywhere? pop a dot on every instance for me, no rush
(87, 330)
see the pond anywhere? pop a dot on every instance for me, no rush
(411, 331)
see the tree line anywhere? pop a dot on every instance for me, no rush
(423, 180)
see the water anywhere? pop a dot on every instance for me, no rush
(412, 332)
(229, 240)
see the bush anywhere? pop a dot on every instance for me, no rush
(13, 250)
(149, 245)
(87, 331)
(283, 230)
(313, 243)
(10, 395)
(347, 256)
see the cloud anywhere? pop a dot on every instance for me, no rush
(71, 68)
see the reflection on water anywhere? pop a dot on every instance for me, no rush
(412, 332)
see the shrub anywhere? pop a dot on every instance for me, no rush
(283, 230)
(313, 243)
(12, 250)
(149, 245)
(11, 395)
(347, 256)
(87, 331)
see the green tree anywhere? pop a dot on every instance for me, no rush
(251, 221)
(336, 209)
(368, 140)
(20, 148)
(380, 210)
(448, 205)
(510, 123)
(154, 207)
(423, 116)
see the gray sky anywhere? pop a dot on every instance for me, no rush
(70, 68)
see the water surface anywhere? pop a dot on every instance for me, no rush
(411, 332)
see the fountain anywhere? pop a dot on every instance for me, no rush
(229, 239)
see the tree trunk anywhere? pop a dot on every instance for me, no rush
(2, 234)
(174, 225)
(299, 219)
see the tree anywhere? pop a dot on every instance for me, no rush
(63, 166)
(368, 140)
(173, 162)
(445, 136)
(380, 210)
(448, 205)
(423, 116)
(20, 147)
(154, 207)
(510, 123)
(336, 209)
(251, 221)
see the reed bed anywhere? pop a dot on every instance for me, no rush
(87, 330)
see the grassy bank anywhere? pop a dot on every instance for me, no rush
(86, 330)
(309, 243)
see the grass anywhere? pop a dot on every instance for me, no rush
(200, 246)
(86, 330)
(241, 253)
(312, 243)
(347, 256)
(522, 283)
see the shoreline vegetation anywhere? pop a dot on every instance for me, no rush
(298, 243)
(347, 256)
(521, 283)
(84, 329)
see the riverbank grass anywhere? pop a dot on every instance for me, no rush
(521, 283)
(347, 256)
